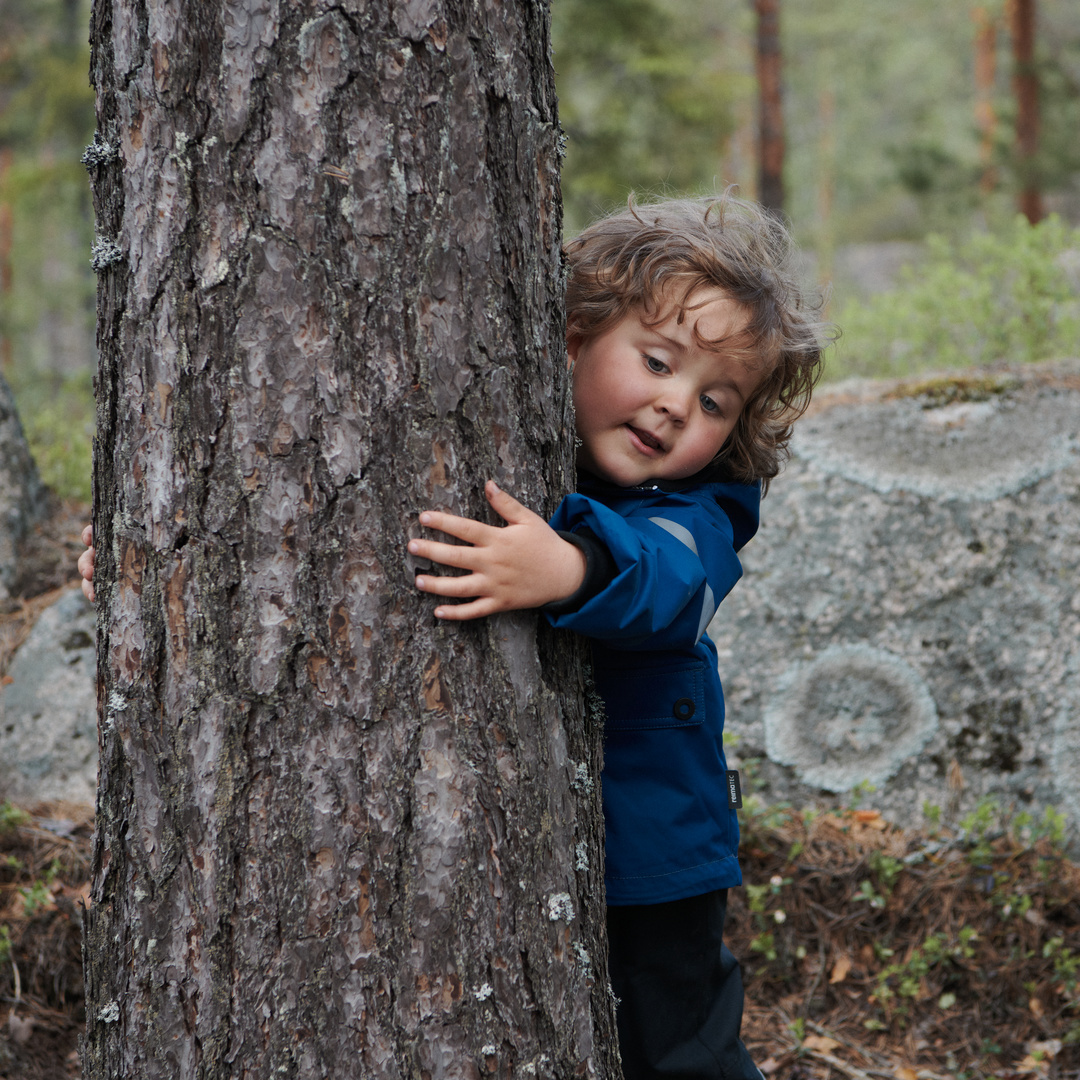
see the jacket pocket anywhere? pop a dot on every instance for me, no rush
(668, 695)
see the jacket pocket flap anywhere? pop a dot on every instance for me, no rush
(662, 696)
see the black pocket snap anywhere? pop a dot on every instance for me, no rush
(683, 709)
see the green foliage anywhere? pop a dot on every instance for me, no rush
(758, 900)
(764, 943)
(1066, 962)
(885, 869)
(992, 297)
(58, 420)
(36, 897)
(51, 99)
(47, 315)
(1051, 827)
(981, 827)
(906, 979)
(11, 817)
(644, 101)
(761, 816)
(866, 893)
(882, 139)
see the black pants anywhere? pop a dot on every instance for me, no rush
(680, 991)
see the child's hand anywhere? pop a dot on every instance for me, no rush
(525, 564)
(86, 563)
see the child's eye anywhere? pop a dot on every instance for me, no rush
(655, 365)
(708, 404)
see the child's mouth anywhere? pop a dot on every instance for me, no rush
(650, 442)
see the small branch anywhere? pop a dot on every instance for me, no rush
(841, 1066)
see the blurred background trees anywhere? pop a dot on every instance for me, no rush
(889, 131)
(900, 119)
(46, 229)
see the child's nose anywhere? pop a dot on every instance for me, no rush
(676, 405)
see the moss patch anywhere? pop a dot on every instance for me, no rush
(949, 389)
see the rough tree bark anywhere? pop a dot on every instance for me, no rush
(770, 106)
(333, 838)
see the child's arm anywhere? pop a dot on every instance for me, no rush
(524, 564)
(673, 560)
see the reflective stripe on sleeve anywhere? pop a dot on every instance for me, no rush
(680, 532)
(708, 610)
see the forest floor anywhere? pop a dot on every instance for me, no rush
(868, 951)
(871, 951)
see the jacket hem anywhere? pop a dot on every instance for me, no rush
(678, 885)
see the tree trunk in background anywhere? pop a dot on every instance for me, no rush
(985, 79)
(826, 183)
(7, 278)
(1026, 88)
(771, 113)
(334, 838)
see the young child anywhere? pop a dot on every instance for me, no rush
(693, 351)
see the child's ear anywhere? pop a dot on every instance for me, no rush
(573, 343)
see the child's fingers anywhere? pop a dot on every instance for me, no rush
(88, 536)
(475, 609)
(458, 587)
(463, 528)
(86, 564)
(462, 558)
(506, 506)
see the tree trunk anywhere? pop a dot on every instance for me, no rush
(7, 277)
(770, 105)
(334, 839)
(1026, 89)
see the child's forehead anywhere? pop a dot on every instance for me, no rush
(707, 317)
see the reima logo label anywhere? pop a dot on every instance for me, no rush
(734, 790)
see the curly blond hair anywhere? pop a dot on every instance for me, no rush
(651, 256)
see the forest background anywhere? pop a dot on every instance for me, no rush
(891, 135)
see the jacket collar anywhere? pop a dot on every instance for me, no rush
(591, 483)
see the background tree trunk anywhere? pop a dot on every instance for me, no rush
(1026, 88)
(770, 106)
(7, 277)
(333, 838)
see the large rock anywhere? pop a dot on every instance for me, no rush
(48, 711)
(910, 617)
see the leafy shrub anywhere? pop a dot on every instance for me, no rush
(1010, 297)
(58, 419)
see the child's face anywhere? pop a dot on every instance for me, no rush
(651, 403)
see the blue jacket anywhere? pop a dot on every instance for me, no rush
(668, 551)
